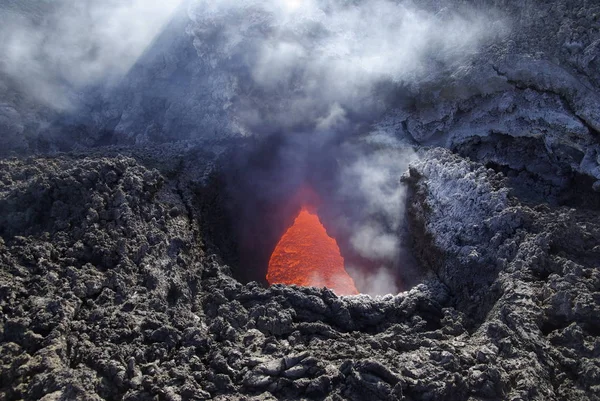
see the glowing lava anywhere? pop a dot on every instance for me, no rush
(307, 256)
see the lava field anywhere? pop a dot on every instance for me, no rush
(300, 200)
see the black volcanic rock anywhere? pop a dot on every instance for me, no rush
(106, 295)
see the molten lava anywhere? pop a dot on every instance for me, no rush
(307, 256)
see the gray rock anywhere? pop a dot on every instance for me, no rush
(111, 286)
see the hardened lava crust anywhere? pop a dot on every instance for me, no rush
(119, 277)
(107, 293)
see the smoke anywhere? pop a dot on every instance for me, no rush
(381, 281)
(52, 50)
(303, 64)
(368, 209)
(376, 179)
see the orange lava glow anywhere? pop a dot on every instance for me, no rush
(307, 256)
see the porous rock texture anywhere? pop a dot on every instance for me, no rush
(107, 292)
(110, 287)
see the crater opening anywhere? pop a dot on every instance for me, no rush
(277, 219)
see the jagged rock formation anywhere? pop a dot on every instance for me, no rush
(107, 294)
(112, 287)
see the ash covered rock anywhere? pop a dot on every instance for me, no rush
(500, 260)
(528, 103)
(106, 293)
(86, 243)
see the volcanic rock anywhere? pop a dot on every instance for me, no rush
(119, 278)
(104, 296)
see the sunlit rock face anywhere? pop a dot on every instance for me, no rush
(307, 256)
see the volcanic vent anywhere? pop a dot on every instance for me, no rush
(306, 255)
(313, 220)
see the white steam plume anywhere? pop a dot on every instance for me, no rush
(295, 60)
(373, 221)
(381, 281)
(52, 49)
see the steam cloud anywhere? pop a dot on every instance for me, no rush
(310, 64)
(371, 200)
(52, 50)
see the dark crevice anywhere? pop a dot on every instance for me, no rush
(215, 222)
(188, 209)
(533, 176)
(592, 327)
(551, 325)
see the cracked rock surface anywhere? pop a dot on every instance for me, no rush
(106, 292)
